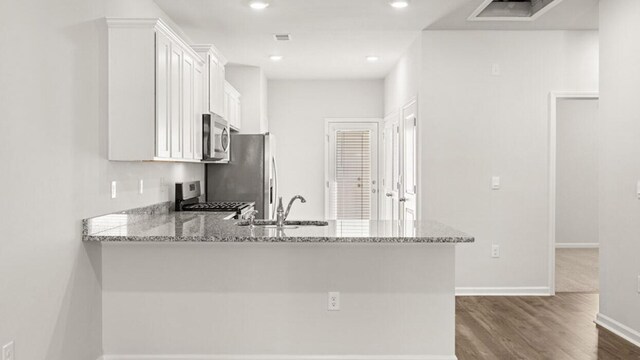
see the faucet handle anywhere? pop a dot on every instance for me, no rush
(252, 217)
(280, 206)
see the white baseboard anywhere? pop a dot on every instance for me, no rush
(278, 357)
(619, 329)
(577, 245)
(503, 291)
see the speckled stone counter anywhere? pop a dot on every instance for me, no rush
(160, 224)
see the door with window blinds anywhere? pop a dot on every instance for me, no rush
(353, 171)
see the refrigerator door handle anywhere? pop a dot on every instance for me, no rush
(275, 180)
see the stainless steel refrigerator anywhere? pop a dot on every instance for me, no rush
(250, 175)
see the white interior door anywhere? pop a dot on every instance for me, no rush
(352, 170)
(391, 170)
(409, 178)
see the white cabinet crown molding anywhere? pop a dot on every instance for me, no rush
(159, 25)
(213, 50)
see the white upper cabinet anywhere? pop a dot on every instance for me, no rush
(156, 93)
(163, 75)
(232, 107)
(176, 102)
(215, 76)
(199, 101)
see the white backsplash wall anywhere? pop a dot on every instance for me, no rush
(53, 137)
(297, 112)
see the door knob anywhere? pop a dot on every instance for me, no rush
(389, 194)
(403, 199)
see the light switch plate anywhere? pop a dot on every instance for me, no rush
(141, 187)
(114, 187)
(495, 183)
(8, 352)
(495, 70)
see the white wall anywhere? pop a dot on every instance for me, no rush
(474, 126)
(403, 82)
(271, 299)
(619, 164)
(297, 113)
(54, 172)
(251, 82)
(577, 171)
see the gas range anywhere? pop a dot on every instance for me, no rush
(188, 199)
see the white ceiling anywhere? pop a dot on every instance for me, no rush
(331, 38)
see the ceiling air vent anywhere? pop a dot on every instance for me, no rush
(512, 10)
(282, 37)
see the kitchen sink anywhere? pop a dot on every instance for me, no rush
(290, 224)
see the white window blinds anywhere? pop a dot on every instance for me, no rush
(352, 183)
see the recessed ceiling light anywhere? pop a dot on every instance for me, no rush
(275, 57)
(258, 4)
(399, 4)
(372, 58)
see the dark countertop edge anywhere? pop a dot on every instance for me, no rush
(285, 240)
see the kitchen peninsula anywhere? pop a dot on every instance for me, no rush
(263, 293)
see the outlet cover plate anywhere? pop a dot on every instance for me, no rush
(495, 251)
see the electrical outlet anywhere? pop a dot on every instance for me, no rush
(8, 352)
(141, 187)
(114, 187)
(495, 251)
(334, 301)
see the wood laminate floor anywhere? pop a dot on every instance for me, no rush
(559, 327)
(577, 270)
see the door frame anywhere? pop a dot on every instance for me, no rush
(418, 150)
(393, 116)
(554, 96)
(327, 122)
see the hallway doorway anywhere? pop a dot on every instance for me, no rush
(575, 186)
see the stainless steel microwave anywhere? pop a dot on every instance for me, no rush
(216, 140)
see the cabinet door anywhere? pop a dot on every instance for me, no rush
(226, 105)
(163, 123)
(199, 109)
(187, 107)
(215, 88)
(175, 101)
(234, 111)
(238, 113)
(221, 80)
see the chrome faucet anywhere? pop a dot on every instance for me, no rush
(252, 217)
(282, 215)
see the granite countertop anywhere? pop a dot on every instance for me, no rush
(158, 223)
